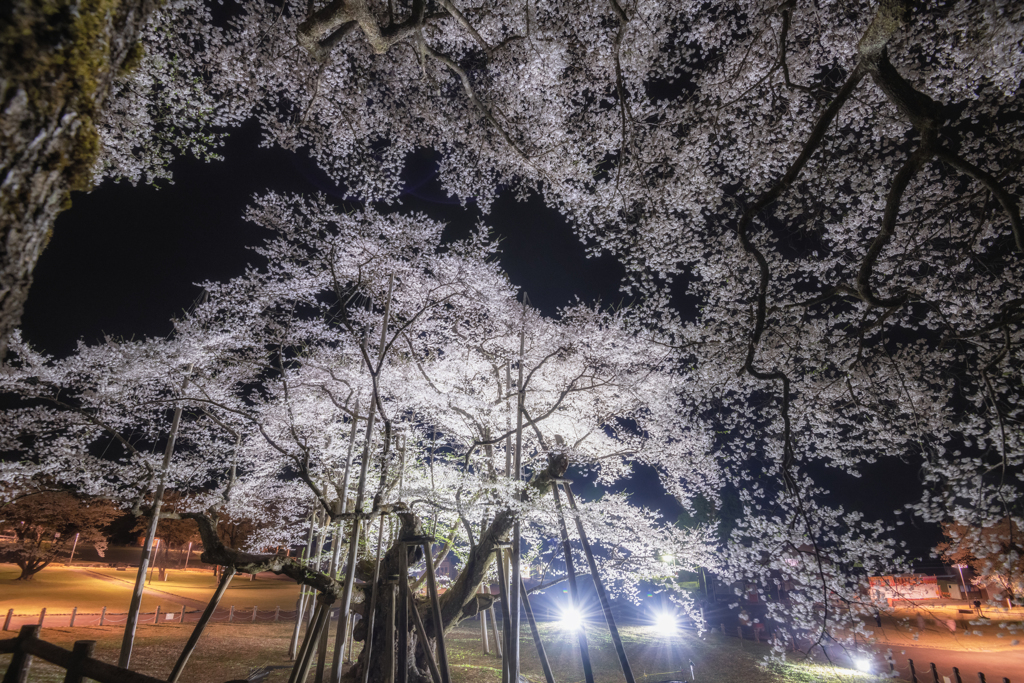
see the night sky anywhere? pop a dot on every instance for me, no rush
(124, 260)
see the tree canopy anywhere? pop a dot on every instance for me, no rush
(817, 205)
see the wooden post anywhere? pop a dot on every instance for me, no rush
(305, 655)
(254, 613)
(277, 614)
(204, 618)
(231, 615)
(82, 649)
(74, 611)
(739, 632)
(103, 615)
(7, 621)
(956, 675)
(574, 598)
(156, 615)
(602, 594)
(913, 674)
(181, 618)
(21, 661)
(723, 630)
(935, 674)
(350, 641)
(981, 677)
(757, 635)
(42, 615)
(541, 654)
(506, 627)
(300, 606)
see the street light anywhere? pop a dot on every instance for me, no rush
(963, 584)
(73, 546)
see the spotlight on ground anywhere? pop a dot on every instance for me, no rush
(862, 664)
(665, 623)
(571, 619)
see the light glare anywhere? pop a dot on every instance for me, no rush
(571, 619)
(862, 664)
(665, 623)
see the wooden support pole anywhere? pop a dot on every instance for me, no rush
(505, 610)
(602, 594)
(541, 654)
(254, 613)
(204, 619)
(574, 599)
(350, 641)
(391, 601)
(82, 649)
(304, 659)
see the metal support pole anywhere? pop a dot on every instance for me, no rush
(574, 598)
(548, 676)
(204, 619)
(602, 594)
(435, 602)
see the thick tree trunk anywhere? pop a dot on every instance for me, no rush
(58, 59)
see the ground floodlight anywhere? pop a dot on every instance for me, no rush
(571, 619)
(665, 623)
(862, 664)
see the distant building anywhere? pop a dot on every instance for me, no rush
(910, 587)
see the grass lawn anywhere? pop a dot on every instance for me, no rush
(266, 593)
(228, 651)
(58, 589)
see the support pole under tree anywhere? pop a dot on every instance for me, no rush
(305, 657)
(483, 631)
(403, 615)
(602, 594)
(541, 654)
(73, 547)
(574, 598)
(503, 649)
(204, 619)
(300, 608)
(421, 633)
(370, 612)
(435, 603)
(343, 494)
(494, 630)
(517, 476)
(125, 656)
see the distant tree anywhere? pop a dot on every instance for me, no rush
(46, 524)
(995, 553)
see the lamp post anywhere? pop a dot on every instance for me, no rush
(963, 584)
(73, 546)
(156, 549)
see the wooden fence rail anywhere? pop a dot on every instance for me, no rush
(78, 661)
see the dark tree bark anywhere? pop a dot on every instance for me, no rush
(58, 59)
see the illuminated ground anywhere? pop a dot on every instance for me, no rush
(228, 651)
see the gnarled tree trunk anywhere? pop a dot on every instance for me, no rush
(58, 59)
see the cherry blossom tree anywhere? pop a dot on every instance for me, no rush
(366, 374)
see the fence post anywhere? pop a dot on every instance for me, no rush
(181, 619)
(723, 629)
(913, 674)
(981, 677)
(74, 611)
(757, 636)
(231, 615)
(42, 615)
(103, 615)
(935, 674)
(17, 670)
(956, 675)
(739, 632)
(156, 616)
(254, 611)
(82, 649)
(7, 621)
(277, 614)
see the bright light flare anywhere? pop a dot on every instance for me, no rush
(571, 619)
(862, 664)
(666, 623)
